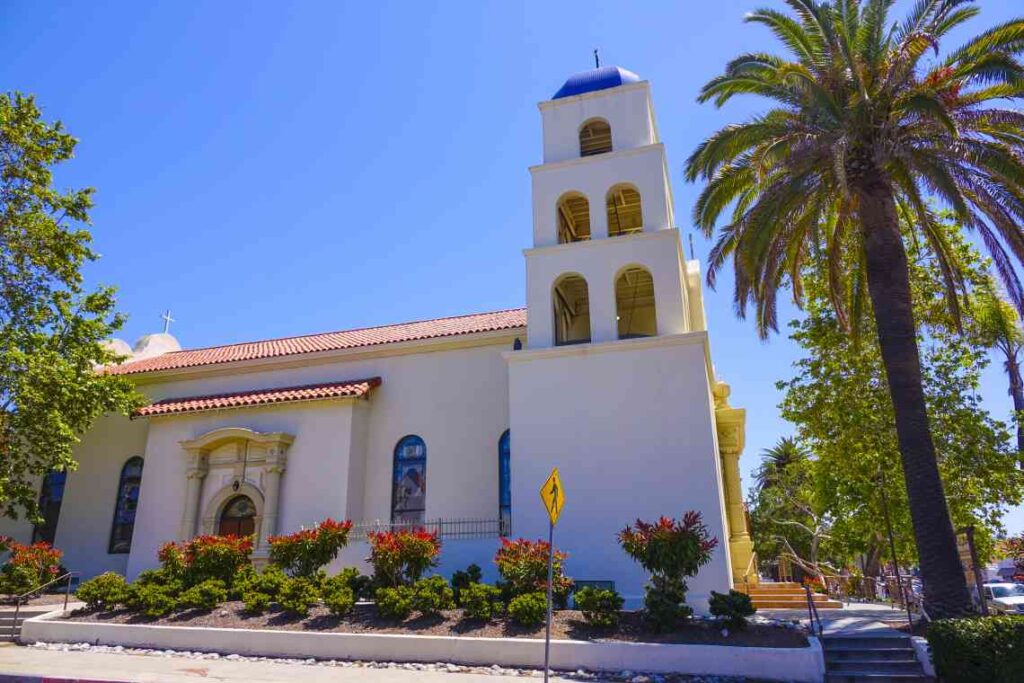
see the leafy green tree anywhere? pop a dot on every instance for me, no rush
(998, 326)
(863, 126)
(842, 409)
(51, 327)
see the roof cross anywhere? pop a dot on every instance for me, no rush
(166, 317)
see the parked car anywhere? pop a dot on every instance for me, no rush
(1005, 598)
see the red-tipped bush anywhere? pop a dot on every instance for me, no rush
(305, 552)
(206, 557)
(399, 558)
(29, 566)
(523, 566)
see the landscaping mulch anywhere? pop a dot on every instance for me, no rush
(566, 625)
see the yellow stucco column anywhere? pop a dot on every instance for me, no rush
(731, 426)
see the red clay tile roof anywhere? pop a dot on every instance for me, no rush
(328, 341)
(259, 397)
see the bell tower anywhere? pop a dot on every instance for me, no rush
(606, 262)
(615, 385)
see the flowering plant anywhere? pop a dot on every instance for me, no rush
(523, 566)
(304, 552)
(29, 566)
(400, 557)
(206, 557)
(671, 551)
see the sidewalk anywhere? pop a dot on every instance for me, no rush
(855, 619)
(29, 665)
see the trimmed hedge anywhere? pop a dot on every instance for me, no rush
(978, 650)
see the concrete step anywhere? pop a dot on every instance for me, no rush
(878, 678)
(874, 666)
(866, 643)
(878, 654)
(793, 604)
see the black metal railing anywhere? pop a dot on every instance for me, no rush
(812, 613)
(444, 528)
(27, 594)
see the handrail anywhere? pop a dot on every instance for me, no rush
(18, 599)
(812, 612)
(747, 571)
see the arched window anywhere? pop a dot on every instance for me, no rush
(238, 517)
(625, 215)
(571, 303)
(51, 495)
(595, 138)
(505, 484)
(634, 303)
(409, 490)
(125, 505)
(573, 218)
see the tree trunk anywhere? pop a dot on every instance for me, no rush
(945, 587)
(1017, 393)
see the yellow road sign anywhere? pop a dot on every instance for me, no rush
(553, 496)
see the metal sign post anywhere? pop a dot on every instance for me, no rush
(553, 496)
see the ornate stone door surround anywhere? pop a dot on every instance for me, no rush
(270, 457)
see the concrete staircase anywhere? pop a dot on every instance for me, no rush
(871, 659)
(9, 631)
(784, 595)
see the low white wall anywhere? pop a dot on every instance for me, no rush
(790, 664)
(924, 655)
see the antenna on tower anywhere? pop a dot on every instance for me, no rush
(597, 60)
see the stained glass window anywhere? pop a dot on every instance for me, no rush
(125, 506)
(505, 483)
(409, 490)
(51, 495)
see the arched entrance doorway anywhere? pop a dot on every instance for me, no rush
(238, 517)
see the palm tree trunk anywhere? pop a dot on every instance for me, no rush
(945, 587)
(1017, 393)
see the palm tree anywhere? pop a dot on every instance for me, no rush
(776, 459)
(863, 127)
(998, 326)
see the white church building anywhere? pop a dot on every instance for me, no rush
(452, 423)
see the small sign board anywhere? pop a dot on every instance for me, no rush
(553, 496)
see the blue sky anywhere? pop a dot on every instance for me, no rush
(271, 169)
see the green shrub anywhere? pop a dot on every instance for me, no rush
(105, 591)
(298, 596)
(665, 603)
(481, 601)
(17, 579)
(461, 580)
(152, 599)
(394, 602)
(269, 582)
(432, 595)
(529, 610)
(158, 577)
(206, 557)
(204, 596)
(338, 597)
(256, 602)
(733, 608)
(978, 650)
(358, 583)
(29, 566)
(600, 607)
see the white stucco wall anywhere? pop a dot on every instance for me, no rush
(456, 400)
(629, 424)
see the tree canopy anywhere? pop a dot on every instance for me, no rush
(52, 327)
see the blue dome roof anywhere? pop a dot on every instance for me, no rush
(596, 79)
